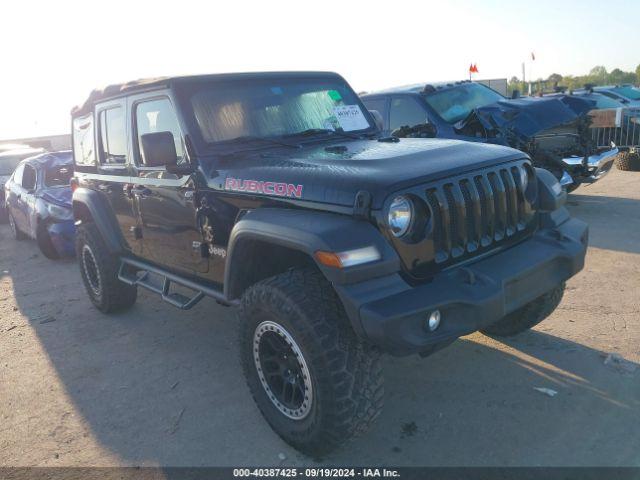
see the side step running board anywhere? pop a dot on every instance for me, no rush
(135, 272)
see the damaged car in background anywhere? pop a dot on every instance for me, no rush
(38, 203)
(10, 157)
(554, 131)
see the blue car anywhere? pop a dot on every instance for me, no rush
(554, 131)
(627, 94)
(10, 157)
(38, 203)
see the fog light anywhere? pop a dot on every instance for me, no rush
(434, 320)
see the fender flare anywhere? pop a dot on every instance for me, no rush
(307, 232)
(101, 215)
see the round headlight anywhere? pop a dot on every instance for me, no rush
(400, 216)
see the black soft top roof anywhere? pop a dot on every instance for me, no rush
(118, 89)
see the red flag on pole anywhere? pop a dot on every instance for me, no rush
(475, 68)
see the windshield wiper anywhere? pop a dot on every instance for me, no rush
(253, 138)
(315, 131)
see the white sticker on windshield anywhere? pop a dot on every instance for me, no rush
(350, 117)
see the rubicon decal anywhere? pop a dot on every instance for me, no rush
(267, 188)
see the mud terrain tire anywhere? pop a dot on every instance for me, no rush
(528, 316)
(343, 393)
(628, 161)
(99, 270)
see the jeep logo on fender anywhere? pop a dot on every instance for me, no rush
(268, 188)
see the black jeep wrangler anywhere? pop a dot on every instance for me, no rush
(276, 193)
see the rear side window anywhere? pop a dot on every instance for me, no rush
(406, 111)
(29, 178)
(113, 140)
(59, 176)
(83, 144)
(156, 116)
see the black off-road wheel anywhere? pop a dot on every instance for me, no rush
(44, 242)
(628, 161)
(99, 270)
(314, 381)
(528, 316)
(15, 231)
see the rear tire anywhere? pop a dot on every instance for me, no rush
(325, 385)
(44, 242)
(99, 270)
(15, 231)
(628, 161)
(528, 316)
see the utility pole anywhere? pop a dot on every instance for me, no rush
(524, 80)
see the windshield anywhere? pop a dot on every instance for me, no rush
(455, 104)
(266, 108)
(603, 101)
(59, 176)
(9, 163)
(628, 92)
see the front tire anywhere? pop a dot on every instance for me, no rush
(99, 270)
(314, 381)
(44, 242)
(528, 316)
(628, 161)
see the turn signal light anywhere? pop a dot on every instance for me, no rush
(348, 258)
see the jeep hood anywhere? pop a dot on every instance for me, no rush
(526, 117)
(334, 173)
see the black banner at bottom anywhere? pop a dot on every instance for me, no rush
(405, 473)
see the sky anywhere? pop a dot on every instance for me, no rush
(55, 53)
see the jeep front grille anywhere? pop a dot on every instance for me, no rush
(470, 215)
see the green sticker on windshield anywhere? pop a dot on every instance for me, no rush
(335, 95)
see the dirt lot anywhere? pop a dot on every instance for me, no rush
(156, 386)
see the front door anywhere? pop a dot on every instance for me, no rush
(113, 180)
(165, 202)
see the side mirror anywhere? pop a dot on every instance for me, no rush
(159, 149)
(515, 94)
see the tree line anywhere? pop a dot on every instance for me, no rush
(597, 76)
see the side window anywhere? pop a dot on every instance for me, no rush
(113, 139)
(406, 111)
(379, 105)
(158, 116)
(29, 178)
(376, 104)
(17, 175)
(83, 150)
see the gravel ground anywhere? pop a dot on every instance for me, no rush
(159, 387)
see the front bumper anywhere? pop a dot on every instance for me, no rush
(597, 166)
(63, 236)
(392, 314)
